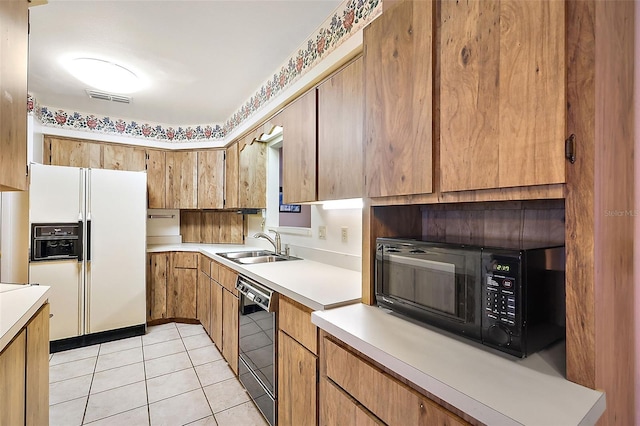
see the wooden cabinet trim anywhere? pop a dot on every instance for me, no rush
(295, 320)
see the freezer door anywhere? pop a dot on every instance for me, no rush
(55, 194)
(116, 207)
(65, 295)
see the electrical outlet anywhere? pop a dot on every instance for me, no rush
(322, 232)
(345, 234)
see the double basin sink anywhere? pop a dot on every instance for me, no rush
(257, 256)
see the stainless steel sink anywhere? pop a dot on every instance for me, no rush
(253, 257)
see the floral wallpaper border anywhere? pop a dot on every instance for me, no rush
(347, 20)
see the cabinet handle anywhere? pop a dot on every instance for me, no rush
(570, 148)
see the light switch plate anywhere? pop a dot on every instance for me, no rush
(322, 232)
(344, 232)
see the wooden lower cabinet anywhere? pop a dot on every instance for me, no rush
(24, 374)
(297, 383)
(375, 391)
(157, 276)
(203, 301)
(216, 313)
(338, 408)
(181, 290)
(230, 329)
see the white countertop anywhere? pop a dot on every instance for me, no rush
(316, 285)
(493, 388)
(18, 303)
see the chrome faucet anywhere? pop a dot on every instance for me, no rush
(276, 243)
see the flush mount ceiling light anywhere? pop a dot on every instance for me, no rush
(104, 75)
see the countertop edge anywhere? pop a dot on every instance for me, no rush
(19, 323)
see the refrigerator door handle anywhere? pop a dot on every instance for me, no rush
(88, 241)
(80, 248)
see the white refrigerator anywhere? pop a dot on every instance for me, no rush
(104, 289)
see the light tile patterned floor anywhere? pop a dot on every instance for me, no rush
(173, 375)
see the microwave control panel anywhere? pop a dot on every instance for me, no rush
(500, 298)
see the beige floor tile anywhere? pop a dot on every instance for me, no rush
(120, 345)
(207, 421)
(136, 417)
(163, 349)
(68, 413)
(116, 401)
(154, 328)
(225, 395)
(72, 369)
(187, 330)
(197, 341)
(204, 355)
(244, 414)
(180, 410)
(74, 355)
(119, 359)
(167, 364)
(214, 372)
(66, 390)
(172, 384)
(157, 336)
(116, 377)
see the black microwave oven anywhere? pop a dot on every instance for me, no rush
(510, 297)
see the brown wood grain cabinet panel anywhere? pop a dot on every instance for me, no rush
(181, 293)
(12, 381)
(340, 134)
(297, 383)
(339, 408)
(75, 153)
(252, 173)
(228, 278)
(221, 227)
(14, 51)
(184, 259)
(295, 319)
(388, 399)
(37, 368)
(216, 313)
(205, 265)
(182, 179)
(211, 179)
(203, 301)
(502, 100)
(157, 283)
(122, 157)
(398, 49)
(299, 149)
(190, 225)
(156, 178)
(231, 176)
(230, 329)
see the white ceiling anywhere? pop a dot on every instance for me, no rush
(204, 58)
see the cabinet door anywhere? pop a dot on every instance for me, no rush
(14, 27)
(182, 180)
(203, 301)
(211, 179)
(340, 127)
(398, 62)
(231, 177)
(297, 379)
(157, 286)
(299, 149)
(230, 329)
(116, 157)
(75, 153)
(338, 408)
(252, 173)
(156, 179)
(503, 94)
(181, 295)
(12, 381)
(37, 381)
(216, 313)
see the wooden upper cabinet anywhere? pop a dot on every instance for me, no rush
(231, 177)
(299, 149)
(156, 178)
(211, 179)
(14, 28)
(252, 172)
(398, 69)
(73, 152)
(503, 94)
(121, 157)
(340, 127)
(182, 179)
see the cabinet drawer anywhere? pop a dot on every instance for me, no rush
(391, 401)
(228, 278)
(205, 265)
(215, 271)
(338, 408)
(295, 320)
(185, 260)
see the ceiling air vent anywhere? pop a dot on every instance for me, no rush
(95, 94)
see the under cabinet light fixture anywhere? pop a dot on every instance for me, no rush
(351, 203)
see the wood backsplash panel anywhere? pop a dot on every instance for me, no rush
(190, 225)
(221, 227)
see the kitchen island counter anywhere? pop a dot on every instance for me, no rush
(316, 285)
(18, 303)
